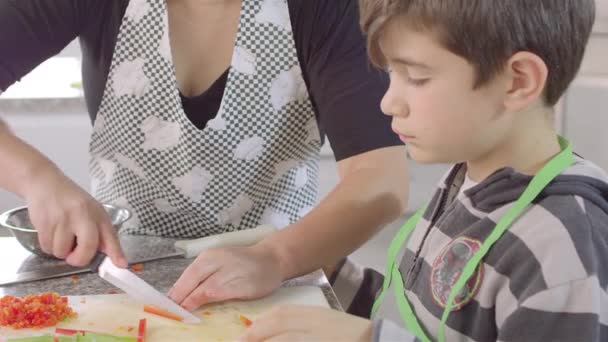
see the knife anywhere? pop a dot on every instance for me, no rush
(140, 290)
(52, 272)
(184, 248)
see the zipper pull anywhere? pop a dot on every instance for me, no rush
(409, 277)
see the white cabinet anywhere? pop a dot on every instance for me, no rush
(583, 112)
(602, 15)
(586, 118)
(62, 137)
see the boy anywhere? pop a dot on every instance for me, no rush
(474, 82)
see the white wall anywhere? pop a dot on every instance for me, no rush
(63, 138)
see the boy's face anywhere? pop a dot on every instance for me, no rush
(431, 99)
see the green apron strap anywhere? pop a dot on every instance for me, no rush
(393, 250)
(553, 168)
(407, 314)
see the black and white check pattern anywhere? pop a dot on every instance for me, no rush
(142, 177)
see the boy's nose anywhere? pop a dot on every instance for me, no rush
(392, 104)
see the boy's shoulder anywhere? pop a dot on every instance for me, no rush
(566, 229)
(577, 198)
(562, 235)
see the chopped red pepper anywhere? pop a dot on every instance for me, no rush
(34, 311)
(69, 332)
(141, 331)
(137, 267)
(113, 291)
(130, 328)
(245, 320)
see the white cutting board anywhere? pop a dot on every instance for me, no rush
(119, 315)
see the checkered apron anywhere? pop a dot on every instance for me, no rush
(255, 163)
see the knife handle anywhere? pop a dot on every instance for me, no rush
(247, 237)
(97, 260)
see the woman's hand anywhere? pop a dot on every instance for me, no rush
(71, 224)
(292, 323)
(228, 273)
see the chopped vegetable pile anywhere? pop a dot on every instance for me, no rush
(34, 311)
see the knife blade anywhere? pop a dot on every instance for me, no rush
(140, 290)
(42, 274)
(55, 271)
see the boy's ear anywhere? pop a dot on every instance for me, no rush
(527, 76)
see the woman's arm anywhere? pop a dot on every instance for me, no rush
(32, 31)
(71, 224)
(372, 192)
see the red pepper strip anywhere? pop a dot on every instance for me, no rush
(69, 332)
(141, 331)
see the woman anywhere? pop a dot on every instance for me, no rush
(208, 117)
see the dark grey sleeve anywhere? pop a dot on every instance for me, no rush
(346, 90)
(356, 287)
(31, 31)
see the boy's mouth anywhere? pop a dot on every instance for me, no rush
(405, 137)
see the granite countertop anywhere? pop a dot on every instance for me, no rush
(36, 105)
(162, 274)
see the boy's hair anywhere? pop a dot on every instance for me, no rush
(488, 32)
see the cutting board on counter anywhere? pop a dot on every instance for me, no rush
(118, 314)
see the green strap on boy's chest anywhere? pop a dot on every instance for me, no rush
(551, 170)
(394, 248)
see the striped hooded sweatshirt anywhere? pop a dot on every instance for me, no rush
(545, 279)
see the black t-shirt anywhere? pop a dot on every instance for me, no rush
(345, 90)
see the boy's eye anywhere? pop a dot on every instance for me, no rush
(417, 81)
